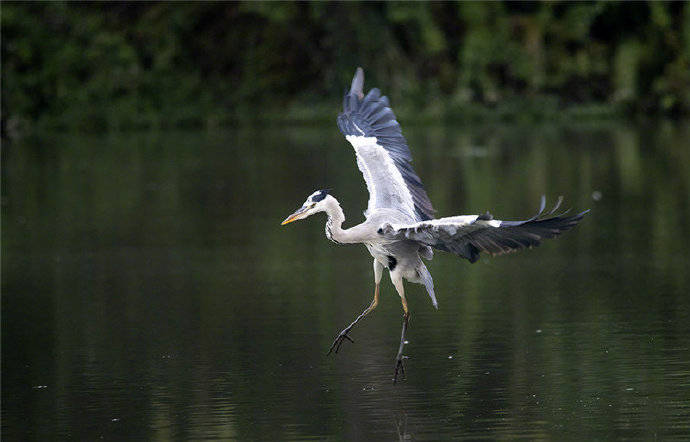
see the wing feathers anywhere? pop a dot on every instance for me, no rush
(467, 236)
(388, 158)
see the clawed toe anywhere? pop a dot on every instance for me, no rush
(339, 341)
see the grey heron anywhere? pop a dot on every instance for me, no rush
(400, 229)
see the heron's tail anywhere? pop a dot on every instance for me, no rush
(425, 278)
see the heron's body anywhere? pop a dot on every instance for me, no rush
(400, 228)
(402, 258)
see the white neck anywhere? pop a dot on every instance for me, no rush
(336, 217)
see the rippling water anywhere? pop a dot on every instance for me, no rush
(149, 292)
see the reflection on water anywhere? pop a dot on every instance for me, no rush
(148, 290)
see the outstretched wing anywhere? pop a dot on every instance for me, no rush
(369, 124)
(468, 235)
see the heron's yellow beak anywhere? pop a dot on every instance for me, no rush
(299, 214)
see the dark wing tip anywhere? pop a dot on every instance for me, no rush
(581, 215)
(558, 204)
(358, 83)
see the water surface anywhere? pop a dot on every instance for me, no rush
(149, 292)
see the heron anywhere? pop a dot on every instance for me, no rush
(400, 229)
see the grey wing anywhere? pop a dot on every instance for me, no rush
(468, 235)
(383, 156)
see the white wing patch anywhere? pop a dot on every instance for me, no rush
(456, 222)
(386, 185)
(451, 223)
(358, 141)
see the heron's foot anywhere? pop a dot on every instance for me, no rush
(340, 339)
(399, 367)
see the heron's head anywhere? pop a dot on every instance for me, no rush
(316, 202)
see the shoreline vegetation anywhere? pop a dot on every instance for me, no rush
(122, 66)
(519, 112)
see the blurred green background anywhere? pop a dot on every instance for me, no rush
(150, 293)
(140, 65)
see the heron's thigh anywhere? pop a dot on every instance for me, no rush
(378, 271)
(397, 280)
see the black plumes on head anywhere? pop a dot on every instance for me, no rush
(320, 196)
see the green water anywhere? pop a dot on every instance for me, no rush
(149, 291)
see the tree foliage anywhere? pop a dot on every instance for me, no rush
(165, 64)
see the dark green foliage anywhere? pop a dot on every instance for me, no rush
(121, 65)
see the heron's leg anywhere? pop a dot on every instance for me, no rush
(399, 366)
(378, 272)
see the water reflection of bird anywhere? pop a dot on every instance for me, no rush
(400, 228)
